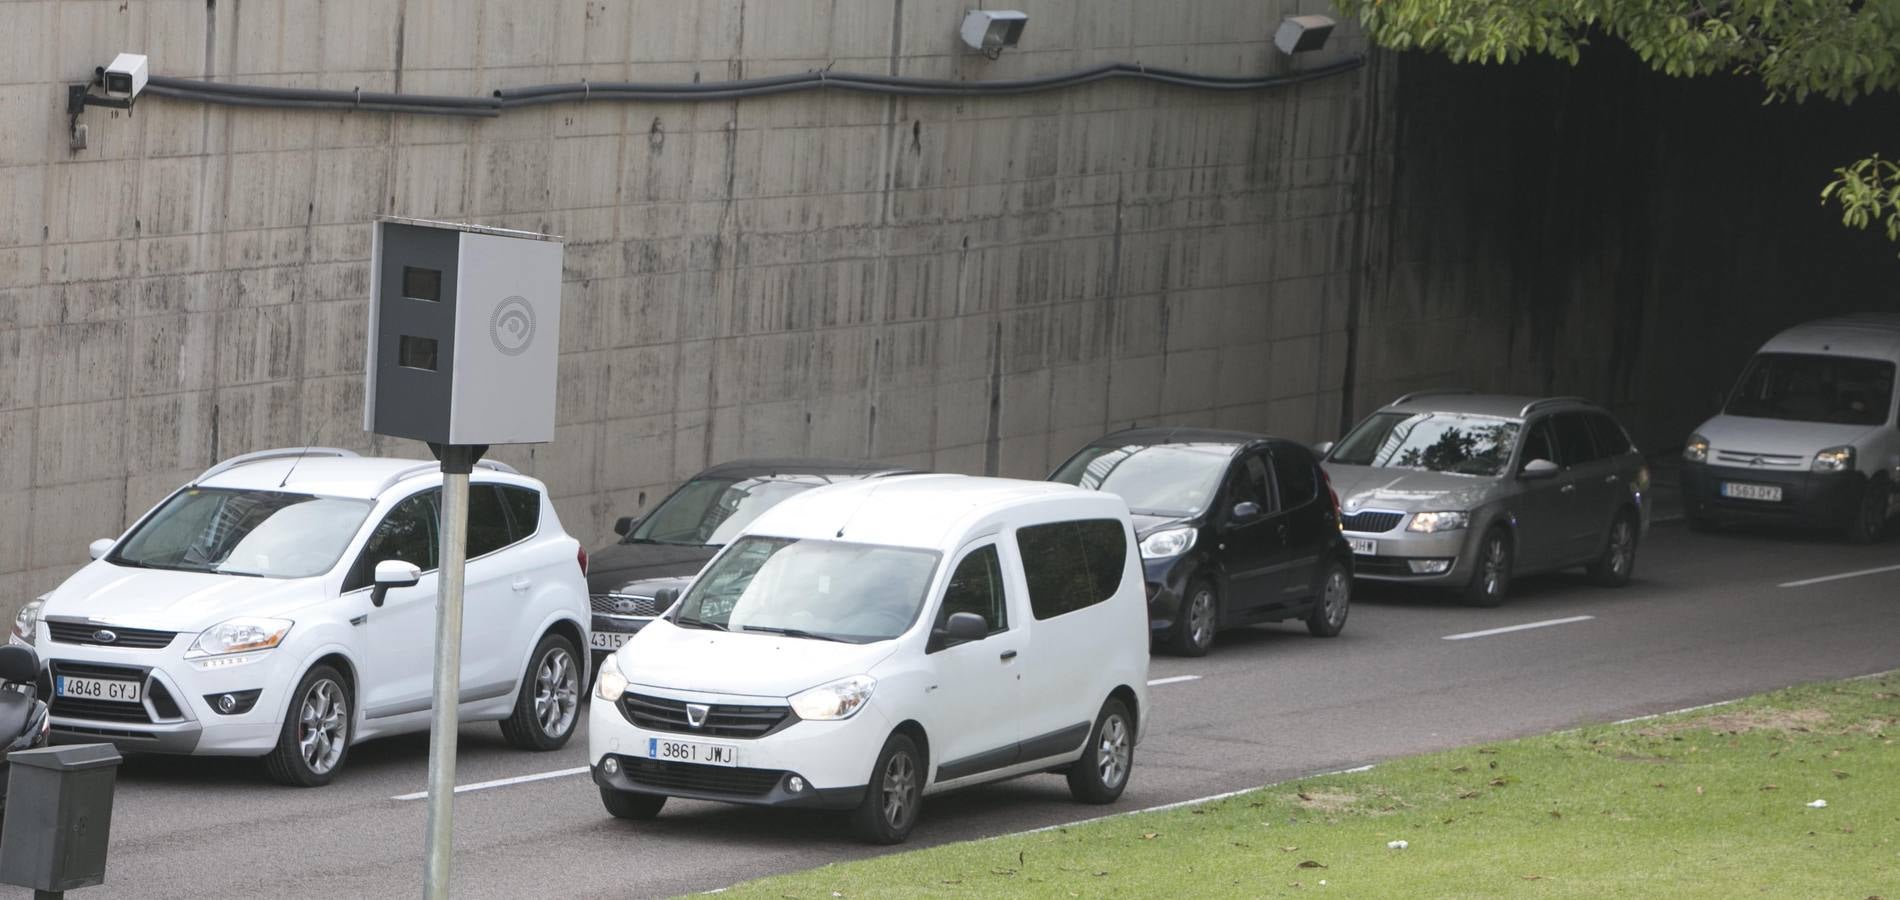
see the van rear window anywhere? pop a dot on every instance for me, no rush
(1072, 565)
(1812, 387)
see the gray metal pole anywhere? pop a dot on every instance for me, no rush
(448, 678)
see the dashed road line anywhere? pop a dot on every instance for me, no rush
(1510, 628)
(1841, 577)
(500, 782)
(1174, 680)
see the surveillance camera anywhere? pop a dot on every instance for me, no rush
(991, 30)
(1302, 34)
(125, 77)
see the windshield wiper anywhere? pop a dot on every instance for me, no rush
(796, 633)
(698, 623)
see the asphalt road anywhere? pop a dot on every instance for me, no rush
(1707, 619)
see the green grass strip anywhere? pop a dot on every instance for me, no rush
(1708, 804)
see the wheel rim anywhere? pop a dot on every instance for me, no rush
(1338, 596)
(1111, 754)
(322, 726)
(556, 692)
(1201, 618)
(1494, 567)
(900, 786)
(1622, 547)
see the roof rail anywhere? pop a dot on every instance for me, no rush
(1430, 392)
(1535, 405)
(246, 459)
(408, 472)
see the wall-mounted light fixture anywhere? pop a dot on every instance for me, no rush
(992, 30)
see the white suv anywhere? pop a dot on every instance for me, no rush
(862, 645)
(283, 605)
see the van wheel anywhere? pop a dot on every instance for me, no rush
(894, 795)
(629, 805)
(1101, 774)
(548, 705)
(1330, 607)
(1617, 563)
(1870, 519)
(1199, 618)
(1491, 576)
(315, 739)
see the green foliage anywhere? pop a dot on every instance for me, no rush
(1837, 49)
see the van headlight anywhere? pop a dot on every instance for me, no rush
(611, 684)
(28, 619)
(840, 699)
(1697, 449)
(1834, 459)
(240, 635)
(1168, 542)
(1434, 522)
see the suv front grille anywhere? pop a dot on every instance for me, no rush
(1371, 522)
(722, 720)
(710, 779)
(1747, 458)
(625, 605)
(133, 638)
(98, 710)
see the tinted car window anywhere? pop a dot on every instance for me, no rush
(487, 521)
(1573, 439)
(1804, 387)
(406, 534)
(1072, 565)
(524, 511)
(1248, 484)
(1434, 441)
(1539, 443)
(1609, 436)
(1293, 472)
(977, 587)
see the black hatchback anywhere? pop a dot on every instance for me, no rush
(658, 554)
(1235, 529)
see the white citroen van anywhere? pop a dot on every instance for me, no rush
(1808, 435)
(863, 645)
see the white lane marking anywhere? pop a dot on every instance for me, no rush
(1844, 575)
(1175, 680)
(499, 782)
(1510, 628)
(1675, 712)
(1180, 803)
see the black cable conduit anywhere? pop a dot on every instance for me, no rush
(251, 95)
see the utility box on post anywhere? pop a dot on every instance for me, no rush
(59, 817)
(464, 331)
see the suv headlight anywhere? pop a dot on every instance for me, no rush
(611, 684)
(1834, 459)
(240, 635)
(840, 699)
(28, 619)
(1168, 542)
(1697, 449)
(1433, 522)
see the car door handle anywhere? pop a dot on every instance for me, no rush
(522, 584)
(1008, 655)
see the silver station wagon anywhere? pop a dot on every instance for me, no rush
(1468, 491)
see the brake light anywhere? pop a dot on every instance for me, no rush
(582, 559)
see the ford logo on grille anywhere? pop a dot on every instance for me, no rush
(626, 605)
(104, 636)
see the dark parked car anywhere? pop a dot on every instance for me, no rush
(658, 554)
(1235, 528)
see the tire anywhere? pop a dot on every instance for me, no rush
(1491, 574)
(1333, 602)
(893, 796)
(631, 806)
(1617, 562)
(315, 739)
(548, 705)
(1197, 622)
(1870, 517)
(1108, 758)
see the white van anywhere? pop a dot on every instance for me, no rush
(1808, 435)
(863, 645)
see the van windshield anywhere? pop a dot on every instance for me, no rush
(823, 590)
(268, 534)
(1810, 387)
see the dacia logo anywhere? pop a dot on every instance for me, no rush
(696, 714)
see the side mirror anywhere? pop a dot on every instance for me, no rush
(960, 628)
(1323, 447)
(19, 665)
(1538, 469)
(393, 573)
(1246, 509)
(99, 548)
(623, 526)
